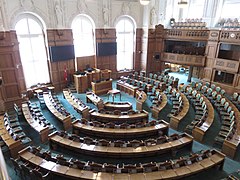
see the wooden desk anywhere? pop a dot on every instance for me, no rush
(125, 133)
(93, 76)
(175, 120)
(141, 97)
(126, 152)
(102, 87)
(214, 160)
(14, 146)
(122, 106)
(80, 82)
(127, 88)
(230, 145)
(80, 108)
(199, 132)
(156, 109)
(93, 98)
(66, 120)
(118, 119)
(42, 130)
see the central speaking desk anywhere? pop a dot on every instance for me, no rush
(141, 116)
(95, 99)
(102, 87)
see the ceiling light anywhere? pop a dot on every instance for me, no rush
(182, 4)
(144, 2)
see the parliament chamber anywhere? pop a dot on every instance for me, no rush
(119, 89)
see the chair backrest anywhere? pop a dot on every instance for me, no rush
(218, 89)
(214, 94)
(238, 99)
(219, 97)
(222, 92)
(155, 76)
(235, 96)
(207, 84)
(226, 105)
(204, 89)
(213, 86)
(151, 75)
(223, 100)
(199, 86)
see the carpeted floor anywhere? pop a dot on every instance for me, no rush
(230, 166)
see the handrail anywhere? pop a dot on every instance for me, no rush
(3, 169)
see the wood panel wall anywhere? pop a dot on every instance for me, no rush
(11, 71)
(155, 46)
(60, 37)
(106, 62)
(82, 62)
(138, 50)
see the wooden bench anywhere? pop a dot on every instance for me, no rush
(123, 133)
(185, 141)
(66, 120)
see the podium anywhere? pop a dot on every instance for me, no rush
(102, 87)
(81, 83)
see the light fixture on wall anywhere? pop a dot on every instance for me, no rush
(144, 2)
(182, 4)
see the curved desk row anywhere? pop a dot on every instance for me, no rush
(42, 129)
(141, 97)
(156, 109)
(95, 99)
(66, 120)
(215, 159)
(80, 108)
(13, 145)
(128, 118)
(126, 152)
(175, 120)
(199, 132)
(126, 133)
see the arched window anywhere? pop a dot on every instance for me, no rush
(32, 50)
(125, 43)
(83, 35)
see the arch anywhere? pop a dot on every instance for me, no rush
(83, 28)
(29, 28)
(35, 15)
(124, 17)
(125, 31)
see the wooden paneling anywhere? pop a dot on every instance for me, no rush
(226, 65)
(184, 59)
(209, 62)
(207, 74)
(186, 34)
(229, 36)
(10, 70)
(213, 35)
(155, 45)
(106, 62)
(211, 49)
(138, 50)
(60, 37)
(83, 61)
